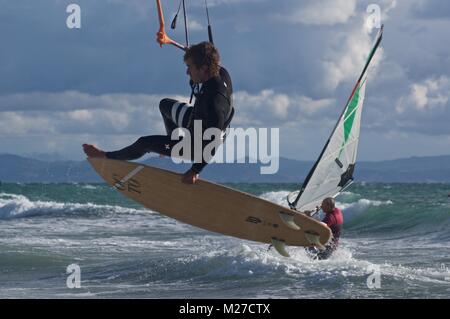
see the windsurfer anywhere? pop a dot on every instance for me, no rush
(334, 220)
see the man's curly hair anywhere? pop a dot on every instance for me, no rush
(204, 53)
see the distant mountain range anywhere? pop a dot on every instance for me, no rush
(434, 169)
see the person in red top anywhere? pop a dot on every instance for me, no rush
(334, 220)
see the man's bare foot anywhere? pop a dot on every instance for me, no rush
(190, 177)
(92, 151)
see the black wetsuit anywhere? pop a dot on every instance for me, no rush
(213, 106)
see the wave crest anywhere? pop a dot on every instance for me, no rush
(19, 206)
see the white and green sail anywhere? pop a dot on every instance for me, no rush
(333, 170)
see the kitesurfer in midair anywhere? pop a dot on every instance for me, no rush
(213, 107)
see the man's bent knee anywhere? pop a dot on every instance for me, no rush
(165, 106)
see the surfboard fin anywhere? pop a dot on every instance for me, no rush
(313, 238)
(280, 247)
(288, 219)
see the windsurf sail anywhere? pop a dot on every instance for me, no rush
(333, 170)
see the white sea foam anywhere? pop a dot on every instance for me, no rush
(349, 209)
(247, 259)
(16, 206)
(348, 193)
(90, 187)
(278, 197)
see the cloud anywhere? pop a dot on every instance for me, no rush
(293, 68)
(387, 6)
(65, 120)
(213, 3)
(75, 100)
(280, 104)
(81, 113)
(419, 95)
(428, 95)
(344, 60)
(18, 123)
(323, 12)
(435, 9)
(75, 112)
(310, 106)
(194, 25)
(347, 62)
(411, 109)
(268, 108)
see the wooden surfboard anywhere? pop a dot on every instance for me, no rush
(212, 207)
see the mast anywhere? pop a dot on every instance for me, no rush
(350, 169)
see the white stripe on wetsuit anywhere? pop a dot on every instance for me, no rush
(184, 108)
(174, 111)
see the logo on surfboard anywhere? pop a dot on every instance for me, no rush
(256, 220)
(130, 185)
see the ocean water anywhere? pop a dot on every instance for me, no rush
(395, 244)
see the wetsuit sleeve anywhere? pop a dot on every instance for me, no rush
(216, 118)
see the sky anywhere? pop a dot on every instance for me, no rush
(293, 65)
